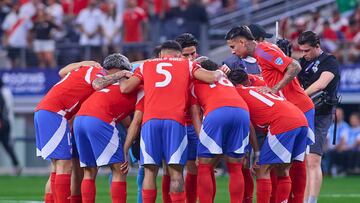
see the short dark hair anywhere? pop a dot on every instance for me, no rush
(156, 51)
(171, 45)
(237, 76)
(310, 38)
(117, 61)
(186, 40)
(209, 65)
(239, 31)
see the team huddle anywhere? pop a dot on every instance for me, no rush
(189, 112)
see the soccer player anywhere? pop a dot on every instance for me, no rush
(53, 137)
(97, 137)
(189, 45)
(225, 130)
(279, 72)
(166, 83)
(286, 139)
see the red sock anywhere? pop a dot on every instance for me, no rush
(118, 192)
(263, 190)
(190, 188)
(75, 199)
(205, 182)
(52, 184)
(298, 179)
(149, 196)
(274, 185)
(165, 187)
(177, 197)
(249, 186)
(88, 191)
(62, 188)
(236, 182)
(283, 189)
(49, 198)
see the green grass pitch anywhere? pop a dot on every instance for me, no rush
(27, 189)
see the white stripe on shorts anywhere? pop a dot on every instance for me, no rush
(176, 157)
(300, 157)
(38, 152)
(209, 143)
(311, 135)
(279, 149)
(54, 140)
(147, 158)
(245, 142)
(110, 149)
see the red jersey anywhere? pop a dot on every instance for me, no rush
(273, 63)
(132, 24)
(256, 80)
(166, 87)
(272, 111)
(109, 104)
(68, 94)
(219, 94)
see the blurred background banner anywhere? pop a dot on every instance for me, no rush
(29, 82)
(350, 78)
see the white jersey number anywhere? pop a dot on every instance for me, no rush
(167, 74)
(261, 97)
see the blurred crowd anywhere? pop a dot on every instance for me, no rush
(340, 33)
(343, 158)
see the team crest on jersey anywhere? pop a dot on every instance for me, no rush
(278, 61)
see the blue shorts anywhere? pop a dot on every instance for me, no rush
(98, 142)
(310, 117)
(193, 141)
(163, 140)
(284, 147)
(53, 136)
(224, 131)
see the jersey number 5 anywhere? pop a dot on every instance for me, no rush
(167, 74)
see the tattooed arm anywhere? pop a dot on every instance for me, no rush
(291, 72)
(107, 80)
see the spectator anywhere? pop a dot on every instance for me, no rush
(73, 7)
(111, 25)
(16, 29)
(6, 124)
(44, 44)
(55, 10)
(338, 23)
(29, 8)
(353, 144)
(329, 38)
(334, 153)
(88, 21)
(134, 29)
(300, 26)
(316, 22)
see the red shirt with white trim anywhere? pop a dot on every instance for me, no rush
(109, 104)
(271, 111)
(166, 86)
(219, 94)
(66, 96)
(273, 63)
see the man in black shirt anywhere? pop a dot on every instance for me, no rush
(319, 73)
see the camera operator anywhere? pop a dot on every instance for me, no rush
(320, 77)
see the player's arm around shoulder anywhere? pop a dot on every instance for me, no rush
(211, 76)
(129, 85)
(104, 81)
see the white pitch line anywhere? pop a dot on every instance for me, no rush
(341, 195)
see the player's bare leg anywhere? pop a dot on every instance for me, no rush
(191, 181)
(50, 185)
(63, 179)
(165, 184)
(236, 180)
(76, 179)
(177, 193)
(314, 179)
(149, 183)
(118, 185)
(88, 188)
